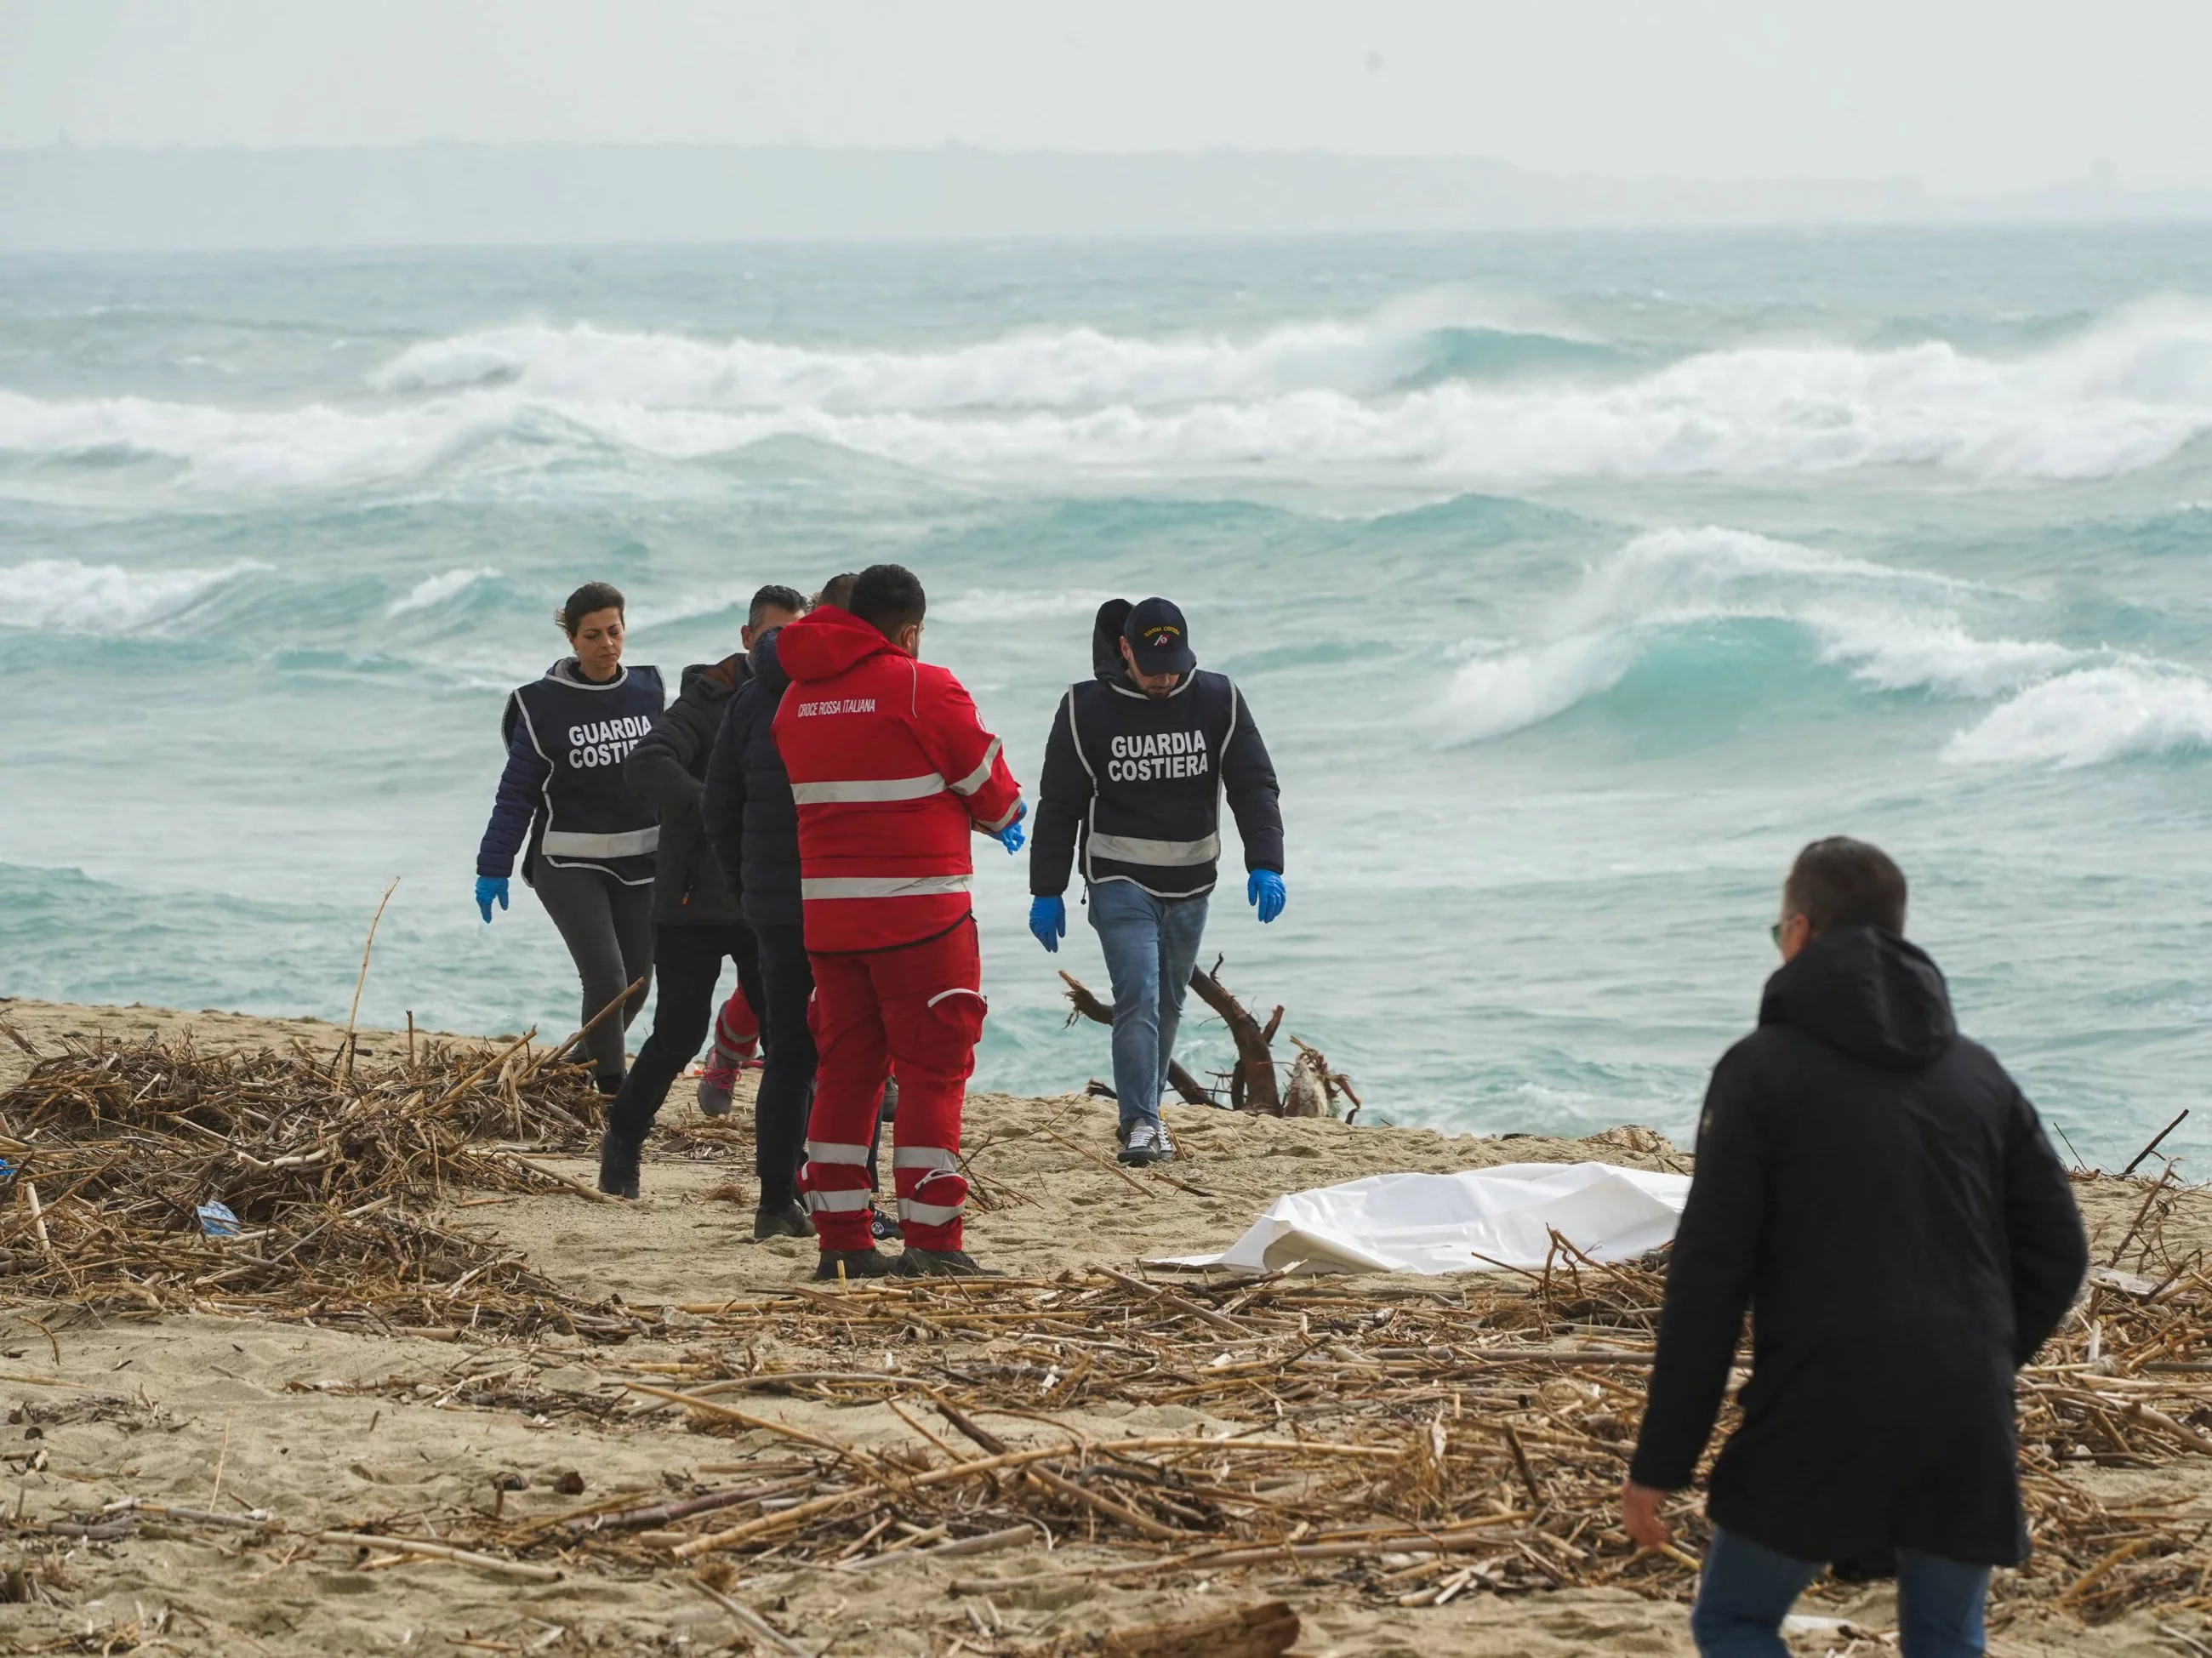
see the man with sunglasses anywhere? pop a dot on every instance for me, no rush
(1873, 1188)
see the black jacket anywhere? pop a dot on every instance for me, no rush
(750, 815)
(667, 768)
(1878, 1193)
(1139, 779)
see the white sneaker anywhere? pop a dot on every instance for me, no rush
(1148, 1142)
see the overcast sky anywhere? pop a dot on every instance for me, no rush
(1967, 94)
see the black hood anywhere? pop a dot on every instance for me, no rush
(710, 683)
(1106, 640)
(1868, 993)
(767, 670)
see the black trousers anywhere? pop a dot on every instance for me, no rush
(787, 1083)
(608, 928)
(690, 961)
(785, 1099)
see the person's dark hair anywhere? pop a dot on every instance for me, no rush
(1840, 881)
(774, 598)
(591, 596)
(888, 597)
(837, 591)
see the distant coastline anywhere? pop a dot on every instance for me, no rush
(63, 197)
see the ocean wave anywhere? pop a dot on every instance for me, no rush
(2121, 397)
(1430, 334)
(434, 591)
(2092, 715)
(991, 605)
(64, 595)
(1885, 624)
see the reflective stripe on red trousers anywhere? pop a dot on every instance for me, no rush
(916, 1012)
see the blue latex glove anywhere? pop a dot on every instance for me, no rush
(490, 887)
(1012, 837)
(1048, 922)
(1264, 889)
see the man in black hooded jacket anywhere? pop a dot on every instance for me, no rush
(1140, 756)
(697, 922)
(1876, 1191)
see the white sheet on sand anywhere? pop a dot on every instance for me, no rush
(1437, 1224)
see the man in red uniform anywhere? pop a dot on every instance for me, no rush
(892, 771)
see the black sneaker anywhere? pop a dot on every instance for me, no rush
(618, 1156)
(915, 1261)
(1148, 1142)
(884, 1227)
(857, 1263)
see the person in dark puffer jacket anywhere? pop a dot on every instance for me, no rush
(696, 917)
(752, 823)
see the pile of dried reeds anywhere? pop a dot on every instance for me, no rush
(1408, 1444)
(324, 1166)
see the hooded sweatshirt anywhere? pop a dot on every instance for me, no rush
(892, 772)
(1133, 784)
(1873, 1188)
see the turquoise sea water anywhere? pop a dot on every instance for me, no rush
(1576, 580)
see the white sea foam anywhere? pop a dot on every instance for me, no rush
(2092, 715)
(1036, 369)
(2121, 397)
(1886, 624)
(62, 595)
(994, 604)
(434, 591)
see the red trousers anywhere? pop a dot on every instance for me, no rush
(918, 1012)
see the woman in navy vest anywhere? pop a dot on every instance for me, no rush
(586, 842)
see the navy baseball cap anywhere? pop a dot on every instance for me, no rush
(1158, 638)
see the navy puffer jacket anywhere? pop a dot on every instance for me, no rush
(749, 818)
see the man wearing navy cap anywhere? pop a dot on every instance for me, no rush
(1138, 759)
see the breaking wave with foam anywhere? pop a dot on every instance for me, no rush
(65, 595)
(434, 591)
(2126, 394)
(1885, 623)
(2118, 711)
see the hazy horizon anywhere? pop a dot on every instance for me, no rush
(1972, 98)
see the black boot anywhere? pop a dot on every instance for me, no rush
(780, 1215)
(618, 1154)
(857, 1263)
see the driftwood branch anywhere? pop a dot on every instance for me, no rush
(1253, 1087)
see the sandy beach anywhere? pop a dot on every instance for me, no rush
(330, 1430)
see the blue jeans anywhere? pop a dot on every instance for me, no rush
(1151, 944)
(1746, 1590)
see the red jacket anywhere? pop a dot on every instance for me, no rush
(892, 771)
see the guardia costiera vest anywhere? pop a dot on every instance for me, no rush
(1155, 769)
(583, 732)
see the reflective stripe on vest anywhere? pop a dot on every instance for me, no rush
(865, 790)
(881, 886)
(575, 843)
(1135, 850)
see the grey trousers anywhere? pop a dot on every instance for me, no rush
(608, 928)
